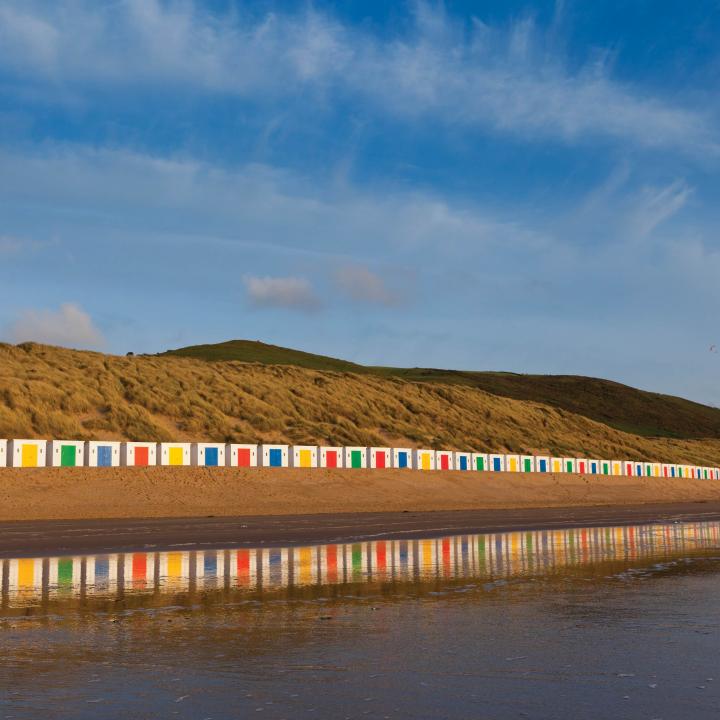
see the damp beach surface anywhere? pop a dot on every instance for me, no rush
(598, 622)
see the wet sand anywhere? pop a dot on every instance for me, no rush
(25, 539)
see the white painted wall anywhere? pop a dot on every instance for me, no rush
(265, 455)
(408, 457)
(164, 453)
(198, 453)
(232, 452)
(127, 453)
(295, 455)
(383, 454)
(339, 456)
(419, 455)
(91, 452)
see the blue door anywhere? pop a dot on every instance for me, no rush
(543, 466)
(638, 470)
(402, 459)
(496, 464)
(593, 468)
(104, 456)
(276, 458)
(463, 462)
(672, 472)
(211, 457)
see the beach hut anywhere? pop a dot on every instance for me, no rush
(512, 463)
(402, 458)
(569, 465)
(496, 462)
(355, 457)
(480, 461)
(102, 453)
(527, 463)
(616, 467)
(639, 469)
(26, 453)
(239, 455)
(378, 457)
(424, 459)
(628, 468)
(138, 454)
(331, 457)
(463, 460)
(304, 456)
(3, 453)
(208, 454)
(443, 460)
(605, 467)
(274, 456)
(174, 453)
(667, 470)
(542, 463)
(66, 453)
(556, 464)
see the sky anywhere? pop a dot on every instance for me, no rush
(520, 186)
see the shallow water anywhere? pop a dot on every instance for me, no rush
(584, 623)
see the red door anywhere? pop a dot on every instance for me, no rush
(243, 457)
(331, 458)
(379, 459)
(444, 462)
(141, 456)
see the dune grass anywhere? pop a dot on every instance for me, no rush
(50, 392)
(619, 406)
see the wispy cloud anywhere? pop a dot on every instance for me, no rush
(292, 293)
(68, 326)
(363, 285)
(505, 79)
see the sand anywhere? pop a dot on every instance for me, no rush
(158, 492)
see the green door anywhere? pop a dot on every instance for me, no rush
(569, 466)
(480, 462)
(67, 456)
(528, 464)
(606, 468)
(356, 458)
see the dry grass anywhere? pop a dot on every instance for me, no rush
(52, 392)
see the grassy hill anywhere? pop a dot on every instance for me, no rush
(53, 392)
(619, 406)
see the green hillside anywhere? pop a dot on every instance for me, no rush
(619, 406)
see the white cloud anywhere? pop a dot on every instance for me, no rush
(505, 79)
(69, 326)
(281, 292)
(363, 285)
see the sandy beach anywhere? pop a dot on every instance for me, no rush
(164, 492)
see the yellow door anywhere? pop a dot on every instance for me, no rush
(176, 455)
(305, 458)
(513, 465)
(556, 466)
(425, 461)
(29, 456)
(26, 569)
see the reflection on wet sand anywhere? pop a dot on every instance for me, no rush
(28, 582)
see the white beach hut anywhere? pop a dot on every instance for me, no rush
(208, 454)
(331, 457)
(239, 455)
(304, 456)
(102, 453)
(138, 454)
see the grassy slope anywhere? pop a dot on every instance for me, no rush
(53, 392)
(620, 406)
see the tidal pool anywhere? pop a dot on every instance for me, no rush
(619, 622)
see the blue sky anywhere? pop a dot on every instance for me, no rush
(505, 185)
